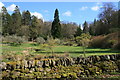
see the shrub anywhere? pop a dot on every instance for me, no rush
(40, 40)
(97, 42)
(108, 41)
(84, 40)
(117, 46)
(14, 40)
(57, 41)
(67, 43)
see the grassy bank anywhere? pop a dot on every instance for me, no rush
(73, 51)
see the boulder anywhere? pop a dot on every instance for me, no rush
(3, 66)
(40, 63)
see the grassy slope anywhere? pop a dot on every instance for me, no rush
(73, 51)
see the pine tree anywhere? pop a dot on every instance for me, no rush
(6, 22)
(92, 28)
(119, 18)
(99, 28)
(26, 18)
(56, 26)
(78, 32)
(34, 28)
(16, 16)
(85, 27)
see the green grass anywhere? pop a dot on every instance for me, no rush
(77, 51)
(73, 51)
(19, 48)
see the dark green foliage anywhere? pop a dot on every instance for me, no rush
(6, 22)
(16, 16)
(119, 18)
(25, 31)
(56, 26)
(33, 28)
(92, 28)
(26, 18)
(85, 27)
(78, 32)
(99, 28)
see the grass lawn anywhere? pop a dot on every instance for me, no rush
(71, 50)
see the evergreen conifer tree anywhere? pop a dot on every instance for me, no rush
(56, 26)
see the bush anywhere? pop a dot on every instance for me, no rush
(68, 43)
(57, 41)
(40, 40)
(107, 41)
(109, 44)
(13, 40)
(50, 41)
(117, 46)
(97, 42)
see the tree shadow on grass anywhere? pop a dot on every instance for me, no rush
(82, 52)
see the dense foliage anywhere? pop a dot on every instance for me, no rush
(30, 26)
(108, 21)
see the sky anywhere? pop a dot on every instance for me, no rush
(77, 12)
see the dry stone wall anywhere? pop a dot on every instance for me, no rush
(90, 66)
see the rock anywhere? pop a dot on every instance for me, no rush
(15, 74)
(11, 65)
(68, 61)
(87, 73)
(112, 57)
(47, 69)
(40, 63)
(117, 56)
(29, 76)
(52, 63)
(41, 69)
(18, 65)
(56, 62)
(29, 64)
(97, 58)
(25, 64)
(64, 76)
(3, 66)
(77, 60)
(32, 70)
(45, 63)
(108, 57)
